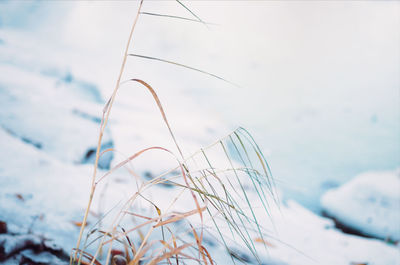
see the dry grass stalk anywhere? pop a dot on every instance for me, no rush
(220, 193)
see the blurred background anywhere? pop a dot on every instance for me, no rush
(318, 82)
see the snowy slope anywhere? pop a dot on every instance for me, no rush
(304, 238)
(49, 124)
(54, 196)
(40, 194)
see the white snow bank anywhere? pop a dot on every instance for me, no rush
(370, 204)
(300, 237)
(306, 238)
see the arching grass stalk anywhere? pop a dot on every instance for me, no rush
(208, 183)
(106, 113)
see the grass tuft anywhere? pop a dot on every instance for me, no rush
(226, 188)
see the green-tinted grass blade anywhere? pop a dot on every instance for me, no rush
(176, 17)
(182, 65)
(191, 12)
(245, 195)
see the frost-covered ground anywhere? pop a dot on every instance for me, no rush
(52, 93)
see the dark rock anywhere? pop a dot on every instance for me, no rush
(3, 227)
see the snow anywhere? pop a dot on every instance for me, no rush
(297, 236)
(12, 244)
(49, 116)
(370, 204)
(301, 237)
(63, 105)
(42, 193)
(30, 248)
(320, 243)
(34, 187)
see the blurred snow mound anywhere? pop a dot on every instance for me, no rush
(370, 204)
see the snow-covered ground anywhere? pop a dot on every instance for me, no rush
(43, 196)
(49, 126)
(53, 88)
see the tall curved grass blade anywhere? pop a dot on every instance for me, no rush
(231, 222)
(263, 162)
(255, 172)
(102, 127)
(160, 107)
(245, 195)
(251, 165)
(182, 65)
(254, 143)
(176, 17)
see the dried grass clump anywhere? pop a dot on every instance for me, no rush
(213, 184)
